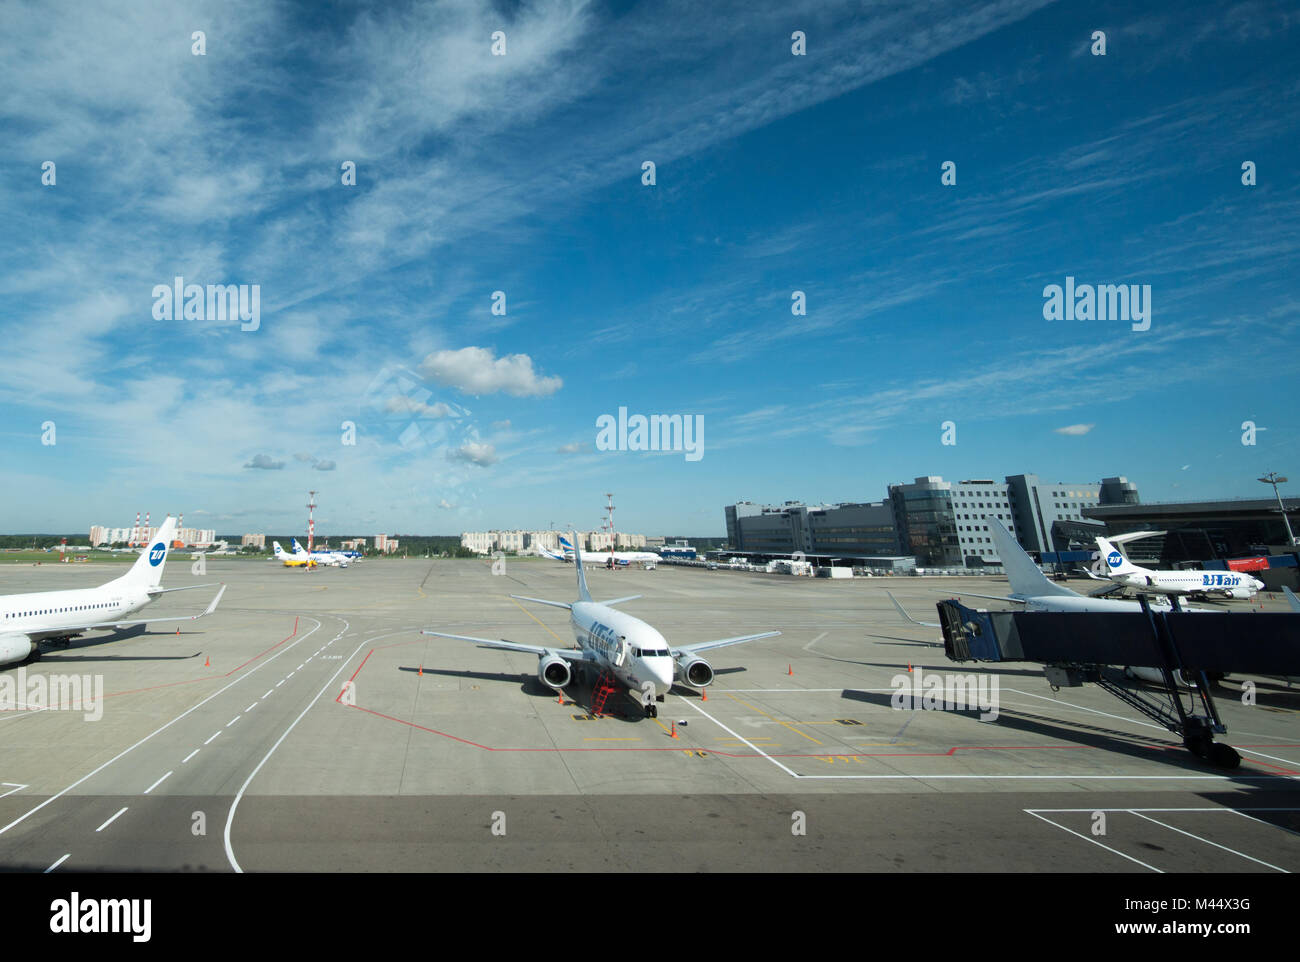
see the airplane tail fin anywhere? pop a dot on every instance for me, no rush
(583, 593)
(1027, 581)
(1114, 561)
(147, 571)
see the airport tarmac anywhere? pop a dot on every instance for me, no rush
(308, 726)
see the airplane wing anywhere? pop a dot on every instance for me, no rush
(924, 624)
(543, 601)
(1292, 600)
(163, 591)
(105, 625)
(720, 643)
(616, 601)
(568, 654)
(971, 594)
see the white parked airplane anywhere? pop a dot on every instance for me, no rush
(635, 653)
(299, 559)
(1229, 584)
(621, 558)
(332, 558)
(27, 620)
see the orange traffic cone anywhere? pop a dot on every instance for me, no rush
(790, 671)
(909, 667)
(206, 662)
(704, 695)
(674, 731)
(420, 673)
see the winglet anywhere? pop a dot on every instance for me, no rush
(215, 601)
(924, 624)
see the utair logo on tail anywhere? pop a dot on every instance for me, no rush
(1114, 559)
(156, 554)
(614, 645)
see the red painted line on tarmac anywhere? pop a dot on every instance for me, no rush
(339, 696)
(190, 681)
(948, 754)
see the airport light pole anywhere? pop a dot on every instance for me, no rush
(1275, 479)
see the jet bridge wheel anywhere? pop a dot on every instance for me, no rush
(1216, 753)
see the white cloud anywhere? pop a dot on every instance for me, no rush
(1075, 429)
(263, 462)
(475, 452)
(476, 370)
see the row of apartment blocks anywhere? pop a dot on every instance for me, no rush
(101, 535)
(938, 523)
(531, 542)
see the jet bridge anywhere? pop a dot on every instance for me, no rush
(1188, 646)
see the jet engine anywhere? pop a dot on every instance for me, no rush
(553, 670)
(16, 647)
(696, 672)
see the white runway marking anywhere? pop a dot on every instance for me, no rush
(13, 787)
(268, 691)
(729, 731)
(111, 819)
(157, 783)
(214, 736)
(126, 751)
(279, 683)
(1206, 841)
(190, 755)
(808, 647)
(230, 817)
(250, 708)
(1093, 841)
(233, 720)
(58, 863)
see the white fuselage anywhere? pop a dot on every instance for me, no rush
(634, 652)
(1231, 584)
(51, 613)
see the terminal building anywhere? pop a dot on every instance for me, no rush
(940, 524)
(1198, 531)
(850, 531)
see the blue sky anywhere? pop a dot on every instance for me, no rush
(522, 173)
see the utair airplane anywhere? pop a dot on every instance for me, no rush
(299, 559)
(1230, 584)
(320, 557)
(59, 616)
(636, 654)
(621, 558)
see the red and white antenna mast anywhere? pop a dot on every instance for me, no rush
(311, 521)
(135, 532)
(609, 509)
(146, 534)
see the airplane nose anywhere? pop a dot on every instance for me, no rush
(664, 676)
